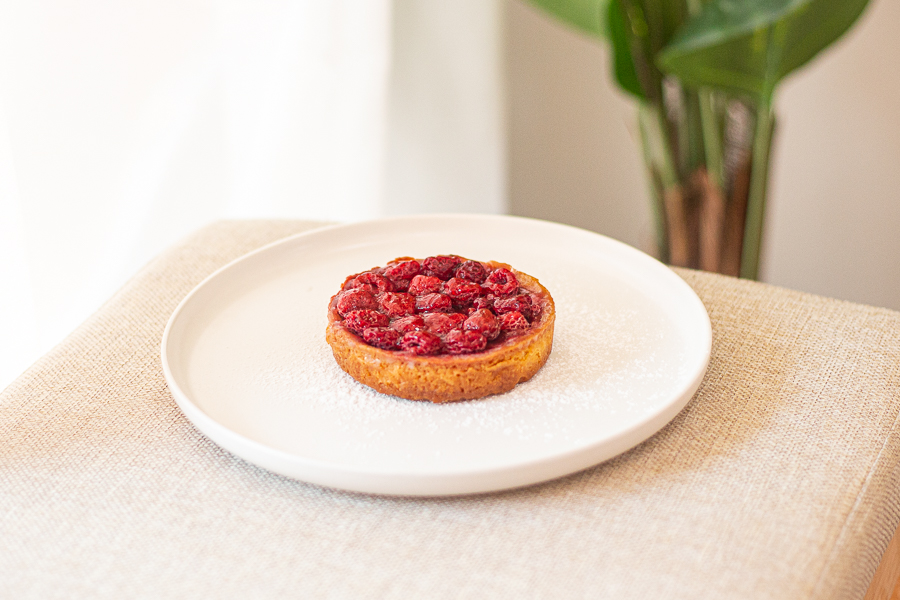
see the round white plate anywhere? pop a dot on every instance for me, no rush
(246, 360)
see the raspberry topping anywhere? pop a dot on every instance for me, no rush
(484, 302)
(381, 283)
(381, 337)
(360, 320)
(410, 323)
(483, 321)
(441, 267)
(400, 285)
(355, 299)
(403, 270)
(439, 305)
(441, 323)
(397, 304)
(433, 303)
(502, 282)
(353, 284)
(462, 292)
(421, 342)
(520, 303)
(513, 321)
(461, 341)
(423, 284)
(472, 271)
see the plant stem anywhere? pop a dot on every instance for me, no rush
(762, 142)
(660, 148)
(648, 118)
(756, 201)
(712, 140)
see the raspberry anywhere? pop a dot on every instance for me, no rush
(433, 303)
(520, 303)
(360, 320)
(484, 321)
(472, 271)
(355, 299)
(403, 270)
(462, 292)
(381, 283)
(502, 282)
(461, 341)
(381, 337)
(410, 323)
(423, 284)
(398, 304)
(441, 267)
(484, 302)
(536, 307)
(354, 284)
(421, 342)
(441, 323)
(457, 318)
(513, 321)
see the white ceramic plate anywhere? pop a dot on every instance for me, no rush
(246, 360)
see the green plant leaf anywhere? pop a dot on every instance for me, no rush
(749, 47)
(623, 63)
(586, 15)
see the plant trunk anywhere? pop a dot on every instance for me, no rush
(700, 148)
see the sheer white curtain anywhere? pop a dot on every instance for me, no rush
(126, 125)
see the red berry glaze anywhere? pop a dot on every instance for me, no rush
(410, 323)
(403, 270)
(520, 303)
(423, 284)
(421, 342)
(434, 303)
(514, 322)
(400, 285)
(462, 292)
(460, 341)
(355, 299)
(360, 320)
(484, 302)
(502, 282)
(381, 337)
(397, 304)
(379, 282)
(472, 271)
(452, 306)
(441, 323)
(441, 267)
(484, 322)
(353, 284)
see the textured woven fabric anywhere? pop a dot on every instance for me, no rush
(779, 480)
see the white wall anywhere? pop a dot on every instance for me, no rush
(833, 224)
(446, 126)
(124, 126)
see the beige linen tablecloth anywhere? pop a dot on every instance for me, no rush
(779, 480)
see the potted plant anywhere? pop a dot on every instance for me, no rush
(704, 74)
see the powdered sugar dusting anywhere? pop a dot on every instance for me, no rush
(609, 366)
(255, 360)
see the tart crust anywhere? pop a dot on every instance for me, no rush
(448, 377)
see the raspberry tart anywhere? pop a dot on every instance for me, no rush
(442, 329)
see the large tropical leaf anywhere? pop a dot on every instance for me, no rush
(586, 15)
(623, 62)
(750, 46)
